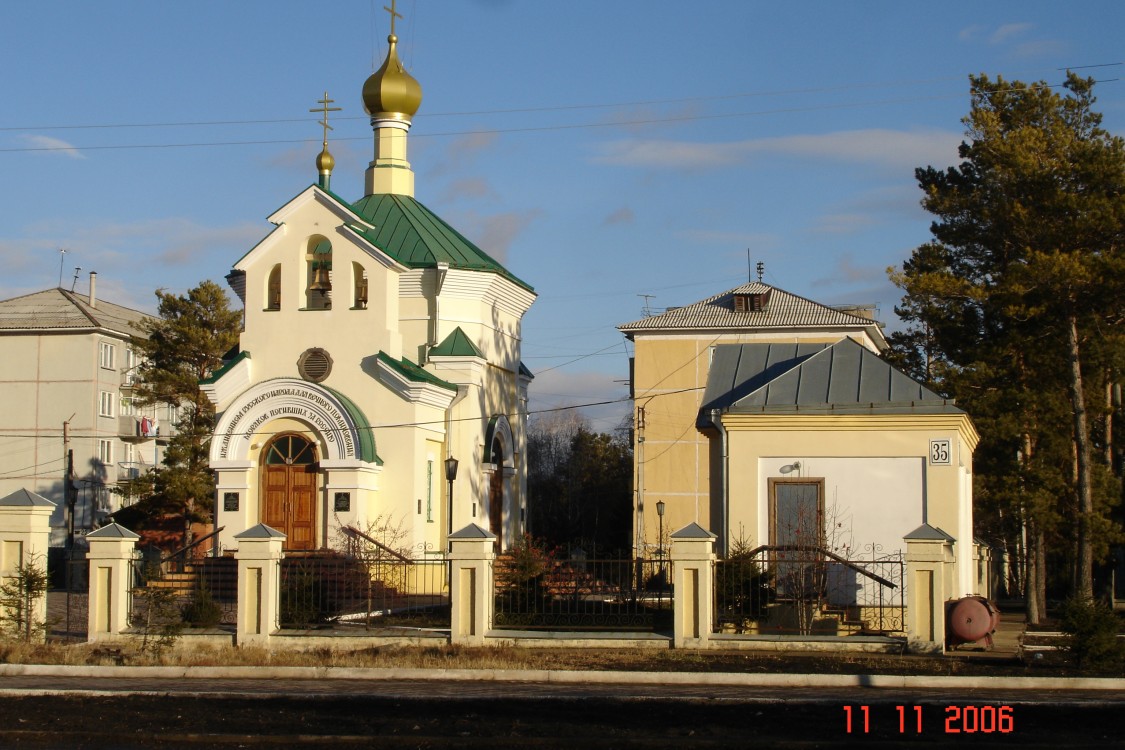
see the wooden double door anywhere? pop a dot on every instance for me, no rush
(289, 482)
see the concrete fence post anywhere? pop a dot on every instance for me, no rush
(471, 595)
(693, 570)
(259, 556)
(929, 561)
(25, 534)
(112, 579)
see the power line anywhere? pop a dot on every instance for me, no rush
(556, 108)
(501, 131)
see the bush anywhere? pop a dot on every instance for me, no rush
(201, 611)
(20, 597)
(1092, 628)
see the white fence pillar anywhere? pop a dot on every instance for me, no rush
(471, 595)
(259, 584)
(929, 563)
(111, 556)
(693, 566)
(25, 533)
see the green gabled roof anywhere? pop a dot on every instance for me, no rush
(418, 238)
(456, 344)
(366, 448)
(225, 368)
(411, 371)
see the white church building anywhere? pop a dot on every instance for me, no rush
(378, 344)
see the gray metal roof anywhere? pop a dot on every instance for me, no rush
(59, 309)
(784, 311)
(840, 378)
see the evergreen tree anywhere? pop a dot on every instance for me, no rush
(1018, 300)
(185, 344)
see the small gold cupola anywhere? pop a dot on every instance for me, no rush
(391, 97)
(324, 161)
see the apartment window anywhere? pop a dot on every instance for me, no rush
(105, 405)
(127, 408)
(130, 366)
(105, 451)
(107, 355)
(130, 453)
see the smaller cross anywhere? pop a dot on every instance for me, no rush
(394, 15)
(324, 109)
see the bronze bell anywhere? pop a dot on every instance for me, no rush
(321, 283)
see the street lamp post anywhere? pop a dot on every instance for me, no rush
(450, 475)
(660, 533)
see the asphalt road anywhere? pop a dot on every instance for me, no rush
(105, 712)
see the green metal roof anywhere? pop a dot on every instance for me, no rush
(217, 374)
(418, 238)
(411, 371)
(456, 344)
(366, 447)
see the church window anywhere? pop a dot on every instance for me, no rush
(359, 274)
(318, 291)
(314, 365)
(289, 450)
(273, 289)
(430, 491)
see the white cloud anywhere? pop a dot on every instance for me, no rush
(882, 147)
(473, 187)
(1007, 31)
(495, 233)
(47, 144)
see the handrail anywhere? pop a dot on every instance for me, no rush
(173, 555)
(826, 553)
(352, 531)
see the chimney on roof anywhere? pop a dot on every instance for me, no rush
(93, 288)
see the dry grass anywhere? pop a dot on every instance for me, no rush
(446, 656)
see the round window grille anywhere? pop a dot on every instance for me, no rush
(314, 365)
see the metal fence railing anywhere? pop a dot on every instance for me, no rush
(68, 599)
(333, 590)
(793, 590)
(538, 592)
(201, 593)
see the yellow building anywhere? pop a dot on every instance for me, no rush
(378, 344)
(672, 359)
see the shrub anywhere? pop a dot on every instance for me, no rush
(19, 601)
(201, 611)
(1092, 628)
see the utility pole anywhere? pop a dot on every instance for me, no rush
(640, 534)
(68, 498)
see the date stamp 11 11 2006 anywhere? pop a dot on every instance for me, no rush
(969, 719)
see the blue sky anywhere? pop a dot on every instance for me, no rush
(601, 150)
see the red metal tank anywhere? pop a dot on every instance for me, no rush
(971, 619)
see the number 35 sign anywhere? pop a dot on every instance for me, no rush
(940, 452)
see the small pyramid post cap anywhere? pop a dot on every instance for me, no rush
(113, 531)
(261, 531)
(928, 533)
(25, 499)
(472, 531)
(693, 531)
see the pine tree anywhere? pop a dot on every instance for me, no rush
(185, 344)
(1019, 294)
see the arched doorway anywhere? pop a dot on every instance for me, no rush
(496, 495)
(289, 471)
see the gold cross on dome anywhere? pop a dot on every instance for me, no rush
(394, 14)
(324, 109)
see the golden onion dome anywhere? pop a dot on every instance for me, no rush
(324, 161)
(391, 93)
